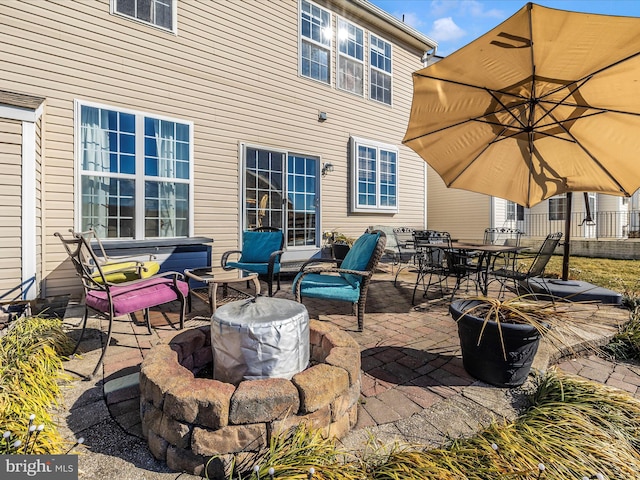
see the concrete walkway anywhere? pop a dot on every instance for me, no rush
(414, 388)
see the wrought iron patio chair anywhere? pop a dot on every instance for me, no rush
(405, 253)
(117, 299)
(519, 278)
(431, 258)
(503, 236)
(121, 268)
(348, 283)
(261, 251)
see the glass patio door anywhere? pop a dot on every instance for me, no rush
(281, 191)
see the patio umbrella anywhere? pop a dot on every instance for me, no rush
(546, 103)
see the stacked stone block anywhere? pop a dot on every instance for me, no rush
(196, 423)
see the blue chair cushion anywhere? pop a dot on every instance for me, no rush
(359, 256)
(258, 246)
(332, 287)
(259, 268)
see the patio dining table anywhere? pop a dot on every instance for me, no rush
(485, 254)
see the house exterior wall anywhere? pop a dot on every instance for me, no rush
(232, 70)
(463, 214)
(10, 206)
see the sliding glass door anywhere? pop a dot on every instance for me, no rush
(281, 190)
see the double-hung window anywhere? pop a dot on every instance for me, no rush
(159, 13)
(135, 173)
(350, 57)
(315, 38)
(515, 212)
(375, 176)
(379, 70)
(557, 207)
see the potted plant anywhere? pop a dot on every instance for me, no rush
(340, 244)
(499, 339)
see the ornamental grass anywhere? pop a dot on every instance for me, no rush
(572, 429)
(31, 354)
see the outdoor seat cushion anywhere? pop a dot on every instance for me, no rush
(138, 296)
(358, 257)
(257, 247)
(259, 268)
(126, 271)
(333, 287)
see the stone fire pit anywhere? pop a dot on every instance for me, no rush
(187, 420)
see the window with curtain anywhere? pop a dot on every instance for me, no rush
(375, 176)
(557, 207)
(159, 13)
(380, 70)
(350, 57)
(135, 174)
(315, 42)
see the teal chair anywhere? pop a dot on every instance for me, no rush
(350, 282)
(261, 252)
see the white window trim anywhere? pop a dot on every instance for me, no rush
(329, 47)
(339, 54)
(371, 68)
(355, 141)
(139, 225)
(174, 17)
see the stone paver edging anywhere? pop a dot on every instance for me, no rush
(188, 420)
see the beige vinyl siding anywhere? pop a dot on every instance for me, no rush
(463, 214)
(10, 206)
(232, 69)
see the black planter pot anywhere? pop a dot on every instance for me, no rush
(486, 361)
(340, 251)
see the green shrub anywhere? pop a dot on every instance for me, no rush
(31, 354)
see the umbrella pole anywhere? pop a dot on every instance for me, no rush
(567, 229)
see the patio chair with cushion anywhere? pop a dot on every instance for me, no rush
(261, 252)
(350, 282)
(118, 269)
(118, 299)
(538, 263)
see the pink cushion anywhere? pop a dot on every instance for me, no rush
(131, 298)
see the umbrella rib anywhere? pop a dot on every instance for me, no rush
(593, 158)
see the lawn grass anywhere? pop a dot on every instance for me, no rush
(619, 275)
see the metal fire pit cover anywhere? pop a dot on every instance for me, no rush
(261, 338)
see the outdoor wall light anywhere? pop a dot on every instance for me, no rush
(326, 168)
(322, 116)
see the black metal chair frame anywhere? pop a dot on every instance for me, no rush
(405, 254)
(431, 256)
(536, 269)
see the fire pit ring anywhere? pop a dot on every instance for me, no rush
(189, 420)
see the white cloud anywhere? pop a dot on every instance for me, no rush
(445, 29)
(477, 9)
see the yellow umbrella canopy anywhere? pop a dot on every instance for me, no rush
(548, 102)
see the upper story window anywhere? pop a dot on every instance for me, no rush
(315, 38)
(135, 173)
(557, 207)
(380, 70)
(350, 57)
(159, 13)
(375, 176)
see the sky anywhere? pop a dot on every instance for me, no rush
(454, 23)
